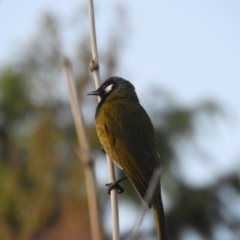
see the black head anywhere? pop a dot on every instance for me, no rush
(113, 84)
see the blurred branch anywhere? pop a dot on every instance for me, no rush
(94, 67)
(147, 199)
(84, 152)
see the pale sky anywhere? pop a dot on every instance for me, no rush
(190, 48)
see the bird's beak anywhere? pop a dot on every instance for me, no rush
(96, 92)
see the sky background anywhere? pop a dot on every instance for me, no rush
(190, 48)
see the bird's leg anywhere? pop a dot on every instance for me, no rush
(103, 151)
(111, 186)
(116, 185)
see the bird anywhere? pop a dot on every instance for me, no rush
(127, 136)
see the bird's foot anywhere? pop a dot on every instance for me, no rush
(116, 185)
(103, 151)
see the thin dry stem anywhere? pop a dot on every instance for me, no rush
(96, 75)
(149, 193)
(84, 152)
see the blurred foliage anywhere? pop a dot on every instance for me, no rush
(42, 189)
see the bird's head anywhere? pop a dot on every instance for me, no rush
(113, 85)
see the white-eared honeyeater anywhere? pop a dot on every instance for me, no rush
(127, 136)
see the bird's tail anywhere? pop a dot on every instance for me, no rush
(159, 216)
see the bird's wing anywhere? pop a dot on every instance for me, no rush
(130, 142)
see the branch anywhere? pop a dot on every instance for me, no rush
(83, 151)
(94, 67)
(147, 199)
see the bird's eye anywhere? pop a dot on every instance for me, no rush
(108, 88)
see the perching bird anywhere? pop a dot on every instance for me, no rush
(127, 136)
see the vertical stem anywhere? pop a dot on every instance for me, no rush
(84, 153)
(147, 199)
(94, 67)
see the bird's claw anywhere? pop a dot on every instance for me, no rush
(114, 185)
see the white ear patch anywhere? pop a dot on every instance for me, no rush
(108, 88)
